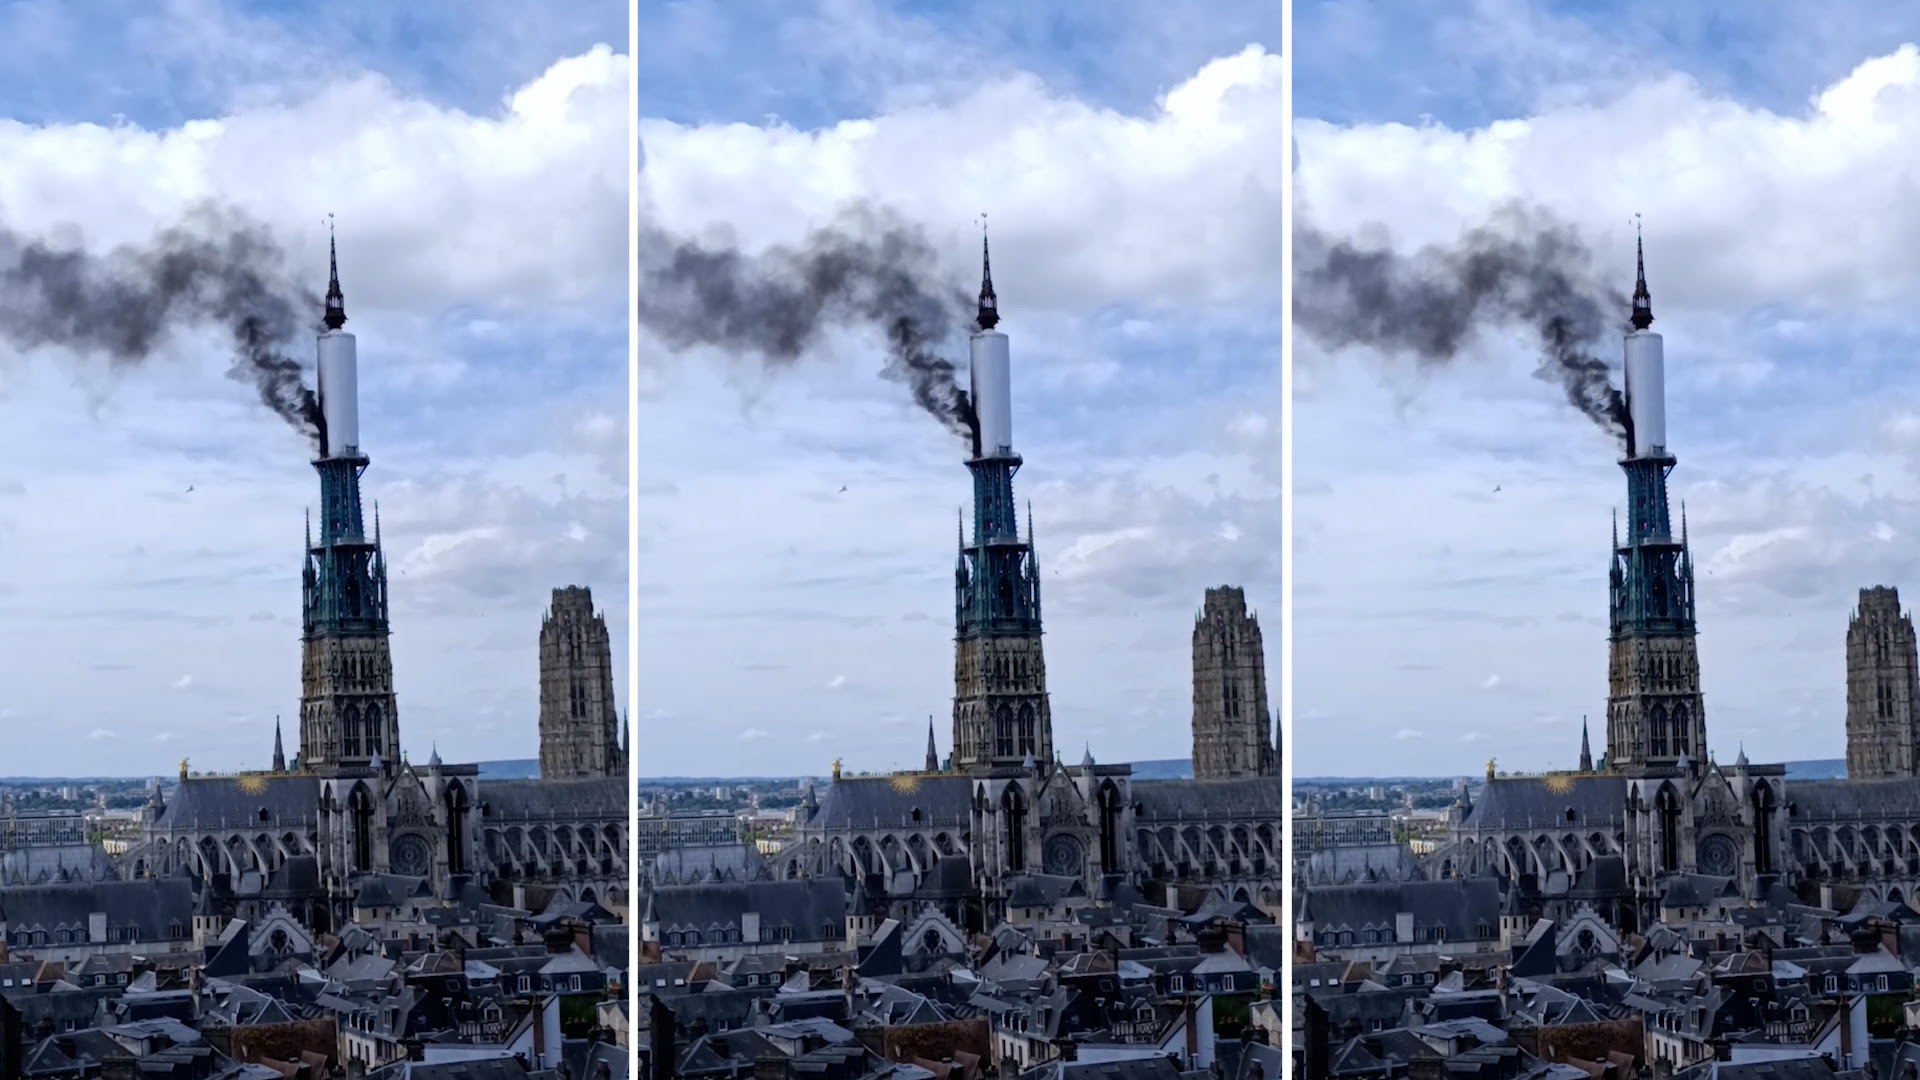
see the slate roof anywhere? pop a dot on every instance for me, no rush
(729, 862)
(808, 906)
(1263, 798)
(1042, 890)
(152, 905)
(1542, 802)
(236, 802)
(889, 802)
(1849, 800)
(1462, 905)
(565, 801)
(1696, 890)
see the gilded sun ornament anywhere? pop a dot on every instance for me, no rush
(904, 783)
(1559, 784)
(253, 784)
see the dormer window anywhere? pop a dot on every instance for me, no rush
(526, 984)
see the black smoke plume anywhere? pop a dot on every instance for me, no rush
(1524, 266)
(868, 269)
(216, 267)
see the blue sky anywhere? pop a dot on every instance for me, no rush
(785, 623)
(1771, 154)
(475, 157)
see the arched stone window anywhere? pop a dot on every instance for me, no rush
(1667, 806)
(376, 731)
(1003, 731)
(360, 810)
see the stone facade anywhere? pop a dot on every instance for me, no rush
(579, 721)
(1231, 735)
(1000, 703)
(1883, 740)
(1655, 712)
(348, 711)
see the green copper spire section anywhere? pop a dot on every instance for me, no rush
(997, 584)
(346, 575)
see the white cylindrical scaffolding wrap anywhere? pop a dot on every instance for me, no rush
(340, 391)
(1647, 392)
(991, 375)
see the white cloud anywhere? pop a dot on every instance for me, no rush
(754, 735)
(836, 682)
(183, 682)
(1086, 205)
(433, 204)
(1490, 682)
(1835, 185)
(100, 734)
(1407, 735)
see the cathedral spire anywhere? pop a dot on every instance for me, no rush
(1642, 299)
(336, 316)
(989, 304)
(279, 752)
(1586, 749)
(933, 752)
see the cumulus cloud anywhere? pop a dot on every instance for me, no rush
(435, 198)
(1087, 205)
(1834, 184)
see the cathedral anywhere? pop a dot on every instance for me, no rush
(1658, 807)
(961, 833)
(350, 807)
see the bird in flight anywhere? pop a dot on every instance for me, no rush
(843, 489)
(1496, 489)
(189, 489)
